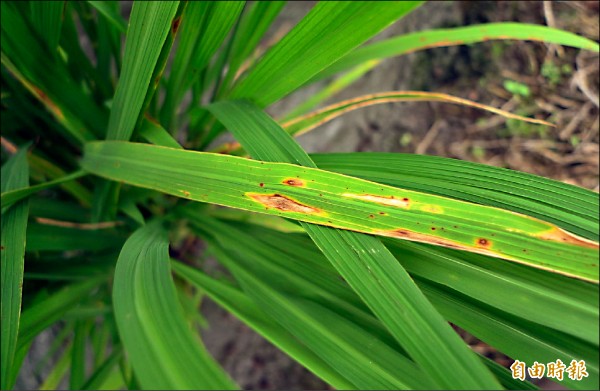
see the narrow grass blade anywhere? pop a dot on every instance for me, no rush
(497, 278)
(409, 43)
(333, 338)
(153, 132)
(254, 23)
(102, 373)
(164, 352)
(42, 169)
(15, 175)
(570, 207)
(515, 337)
(47, 18)
(327, 33)
(117, 20)
(369, 268)
(44, 313)
(333, 88)
(82, 118)
(507, 286)
(12, 196)
(205, 26)
(149, 26)
(78, 354)
(321, 197)
(506, 378)
(59, 371)
(245, 309)
(305, 123)
(46, 237)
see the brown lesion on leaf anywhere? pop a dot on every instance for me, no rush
(381, 200)
(186, 193)
(557, 234)
(175, 25)
(283, 203)
(483, 242)
(296, 182)
(403, 233)
(48, 102)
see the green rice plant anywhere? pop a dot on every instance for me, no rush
(352, 264)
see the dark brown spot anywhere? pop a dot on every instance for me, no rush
(371, 216)
(283, 203)
(433, 228)
(48, 102)
(294, 182)
(1, 247)
(175, 25)
(405, 199)
(483, 242)
(382, 213)
(261, 184)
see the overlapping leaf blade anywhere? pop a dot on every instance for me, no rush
(409, 43)
(329, 31)
(148, 28)
(47, 18)
(321, 197)
(369, 267)
(244, 308)
(164, 352)
(205, 26)
(571, 207)
(15, 175)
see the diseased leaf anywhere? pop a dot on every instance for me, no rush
(330, 199)
(305, 123)
(570, 207)
(409, 43)
(368, 267)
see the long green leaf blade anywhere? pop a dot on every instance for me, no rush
(47, 18)
(328, 32)
(570, 207)
(164, 352)
(253, 25)
(148, 28)
(325, 198)
(410, 43)
(369, 267)
(10, 197)
(15, 175)
(303, 124)
(109, 13)
(244, 308)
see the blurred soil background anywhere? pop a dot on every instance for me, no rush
(553, 83)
